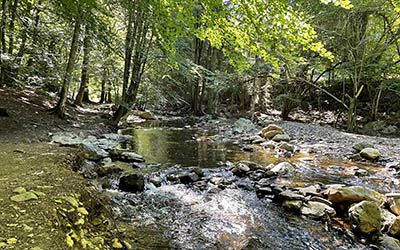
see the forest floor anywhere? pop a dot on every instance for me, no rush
(44, 204)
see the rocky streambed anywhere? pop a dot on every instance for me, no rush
(232, 185)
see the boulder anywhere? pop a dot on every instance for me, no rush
(353, 194)
(387, 219)
(317, 210)
(271, 134)
(366, 217)
(370, 153)
(271, 127)
(281, 137)
(132, 183)
(243, 125)
(380, 128)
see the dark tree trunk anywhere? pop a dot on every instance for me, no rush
(59, 109)
(83, 93)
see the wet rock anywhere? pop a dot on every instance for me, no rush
(217, 181)
(286, 146)
(389, 243)
(353, 194)
(317, 210)
(293, 205)
(269, 145)
(93, 152)
(117, 137)
(27, 196)
(370, 153)
(187, 178)
(281, 137)
(19, 190)
(258, 140)
(358, 147)
(132, 183)
(394, 229)
(366, 217)
(281, 168)
(243, 125)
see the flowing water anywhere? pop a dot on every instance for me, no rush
(177, 216)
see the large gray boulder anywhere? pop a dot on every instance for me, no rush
(243, 125)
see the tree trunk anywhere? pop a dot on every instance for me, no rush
(83, 93)
(59, 109)
(196, 91)
(3, 38)
(13, 13)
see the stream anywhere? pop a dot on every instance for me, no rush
(210, 216)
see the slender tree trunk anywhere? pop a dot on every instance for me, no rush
(59, 109)
(83, 93)
(13, 13)
(103, 88)
(3, 45)
(199, 81)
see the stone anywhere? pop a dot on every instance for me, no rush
(370, 153)
(243, 125)
(394, 205)
(156, 180)
(365, 216)
(269, 145)
(394, 229)
(187, 178)
(321, 200)
(379, 128)
(281, 137)
(27, 196)
(293, 205)
(270, 131)
(310, 190)
(389, 243)
(317, 210)
(353, 194)
(282, 168)
(290, 195)
(358, 147)
(117, 137)
(132, 183)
